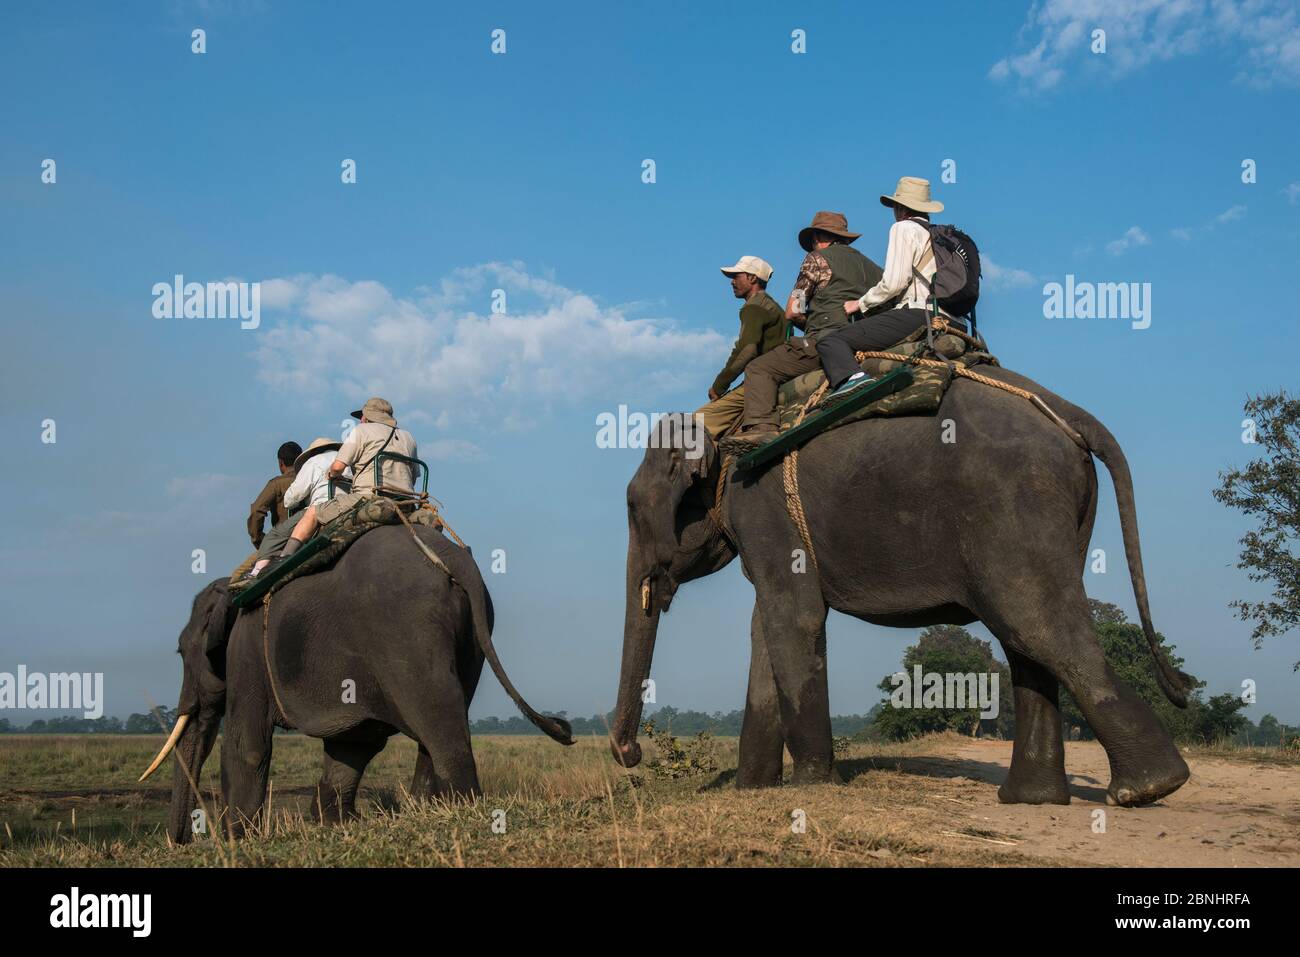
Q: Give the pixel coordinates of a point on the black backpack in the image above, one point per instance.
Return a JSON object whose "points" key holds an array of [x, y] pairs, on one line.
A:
{"points": [[956, 283]]}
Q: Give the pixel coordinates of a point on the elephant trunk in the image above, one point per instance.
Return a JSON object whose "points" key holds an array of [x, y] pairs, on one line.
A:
{"points": [[192, 749], [640, 629]]}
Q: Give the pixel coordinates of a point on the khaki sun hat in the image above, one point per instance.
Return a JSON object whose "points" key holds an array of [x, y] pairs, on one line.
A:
{"points": [[316, 447], [834, 223], [376, 410], [913, 193], [750, 264]]}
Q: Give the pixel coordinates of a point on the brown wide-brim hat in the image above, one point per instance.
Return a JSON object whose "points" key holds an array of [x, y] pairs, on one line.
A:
{"points": [[834, 223], [322, 444], [376, 410]]}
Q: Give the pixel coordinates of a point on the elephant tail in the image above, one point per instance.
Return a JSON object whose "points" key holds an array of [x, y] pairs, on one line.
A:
{"points": [[1176, 684], [464, 571]]}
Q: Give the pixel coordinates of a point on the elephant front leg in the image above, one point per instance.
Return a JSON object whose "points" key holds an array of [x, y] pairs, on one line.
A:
{"points": [[1037, 774], [245, 765], [762, 745], [794, 632]]}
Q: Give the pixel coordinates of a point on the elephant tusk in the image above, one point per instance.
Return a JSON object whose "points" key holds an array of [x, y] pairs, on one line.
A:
{"points": [[645, 594], [167, 748]]}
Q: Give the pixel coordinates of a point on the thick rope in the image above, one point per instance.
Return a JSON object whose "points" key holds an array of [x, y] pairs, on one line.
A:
{"points": [[266, 652], [790, 479], [965, 373]]}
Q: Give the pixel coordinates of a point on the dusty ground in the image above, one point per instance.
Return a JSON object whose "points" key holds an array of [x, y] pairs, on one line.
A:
{"points": [[930, 802], [1231, 813]]}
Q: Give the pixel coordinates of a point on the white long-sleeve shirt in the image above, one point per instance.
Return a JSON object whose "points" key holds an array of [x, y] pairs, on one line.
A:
{"points": [[311, 485], [908, 242]]}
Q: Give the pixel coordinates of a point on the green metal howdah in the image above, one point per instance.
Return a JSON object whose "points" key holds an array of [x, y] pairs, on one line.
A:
{"points": [[792, 438]]}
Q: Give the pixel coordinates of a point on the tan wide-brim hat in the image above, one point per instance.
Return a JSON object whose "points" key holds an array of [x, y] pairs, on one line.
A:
{"points": [[317, 446], [376, 410], [913, 193], [834, 223]]}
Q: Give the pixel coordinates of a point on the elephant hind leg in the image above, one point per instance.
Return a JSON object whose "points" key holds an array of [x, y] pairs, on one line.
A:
{"points": [[345, 762], [762, 745], [1144, 761], [1037, 774], [445, 767]]}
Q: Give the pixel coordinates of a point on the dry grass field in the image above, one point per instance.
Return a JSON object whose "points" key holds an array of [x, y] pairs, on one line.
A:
{"points": [[73, 801]]}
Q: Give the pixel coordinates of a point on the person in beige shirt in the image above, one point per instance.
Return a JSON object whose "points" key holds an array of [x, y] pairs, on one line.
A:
{"points": [[377, 432]]}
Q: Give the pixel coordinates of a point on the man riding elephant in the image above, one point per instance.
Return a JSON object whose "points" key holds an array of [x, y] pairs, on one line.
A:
{"points": [[377, 433], [831, 273], [762, 329]]}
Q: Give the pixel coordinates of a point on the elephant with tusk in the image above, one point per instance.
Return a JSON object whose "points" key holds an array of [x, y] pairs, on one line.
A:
{"points": [[384, 641], [908, 529]]}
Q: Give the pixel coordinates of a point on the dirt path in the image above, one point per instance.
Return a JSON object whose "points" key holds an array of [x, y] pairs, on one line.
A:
{"points": [[1229, 814]]}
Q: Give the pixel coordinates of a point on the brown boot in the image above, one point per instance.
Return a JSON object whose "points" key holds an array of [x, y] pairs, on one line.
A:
{"points": [[746, 440]]}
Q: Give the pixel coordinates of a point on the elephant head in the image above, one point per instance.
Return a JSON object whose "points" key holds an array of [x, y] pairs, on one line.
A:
{"points": [[202, 648], [671, 539]]}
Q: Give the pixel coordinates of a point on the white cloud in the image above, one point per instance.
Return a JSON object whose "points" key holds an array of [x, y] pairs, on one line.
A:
{"points": [[440, 354], [1229, 215], [995, 276], [1133, 236], [1263, 34], [1292, 193]]}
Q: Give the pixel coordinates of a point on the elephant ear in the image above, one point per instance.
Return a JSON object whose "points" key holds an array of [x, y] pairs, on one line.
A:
{"points": [[220, 619], [693, 452]]}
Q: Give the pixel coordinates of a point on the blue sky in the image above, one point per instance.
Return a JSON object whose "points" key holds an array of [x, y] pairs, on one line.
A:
{"points": [[522, 172]]}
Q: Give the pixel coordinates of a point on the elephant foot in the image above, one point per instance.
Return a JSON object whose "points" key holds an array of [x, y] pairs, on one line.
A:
{"points": [[752, 780], [1022, 790], [815, 772], [1151, 786]]}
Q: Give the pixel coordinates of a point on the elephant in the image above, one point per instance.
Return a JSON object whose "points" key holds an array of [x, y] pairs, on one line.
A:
{"points": [[981, 511], [382, 642]]}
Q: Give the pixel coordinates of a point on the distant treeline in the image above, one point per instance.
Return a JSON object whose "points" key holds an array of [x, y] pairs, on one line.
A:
{"points": [[1268, 733], [667, 717], [940, 650]]}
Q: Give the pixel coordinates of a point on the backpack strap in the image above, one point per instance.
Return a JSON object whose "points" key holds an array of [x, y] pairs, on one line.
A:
{"points": [[927, 257], [366, 464]]}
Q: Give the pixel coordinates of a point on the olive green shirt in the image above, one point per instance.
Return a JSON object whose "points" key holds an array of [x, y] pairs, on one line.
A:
{"points": [[762, 328], [270, 501]]}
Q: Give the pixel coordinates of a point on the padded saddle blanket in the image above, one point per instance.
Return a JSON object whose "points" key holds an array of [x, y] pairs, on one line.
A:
{"points": [[332, 541], [929, 383]]}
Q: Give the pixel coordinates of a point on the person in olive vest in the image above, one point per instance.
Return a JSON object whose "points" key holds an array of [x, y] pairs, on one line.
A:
{"points": [[762, 329], [832, 272]]}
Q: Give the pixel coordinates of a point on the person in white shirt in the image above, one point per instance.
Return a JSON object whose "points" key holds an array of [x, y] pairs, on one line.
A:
{"points": [[310, 487], [909, 270]]}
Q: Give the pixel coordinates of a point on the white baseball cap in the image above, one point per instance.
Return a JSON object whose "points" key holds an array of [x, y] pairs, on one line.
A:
{"points": [[752, 265]]}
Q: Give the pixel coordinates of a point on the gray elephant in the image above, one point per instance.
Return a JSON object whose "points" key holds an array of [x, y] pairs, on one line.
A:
{"points": [[382, 642], [908, 530]]}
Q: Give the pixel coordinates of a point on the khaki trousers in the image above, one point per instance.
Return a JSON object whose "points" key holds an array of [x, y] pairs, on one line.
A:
{"points": [[723, 412], [765, 374]]}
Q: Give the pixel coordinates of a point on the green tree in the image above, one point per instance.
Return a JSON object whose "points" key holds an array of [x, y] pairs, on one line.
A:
{"points": [[946, 650], [1268, 490]]}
